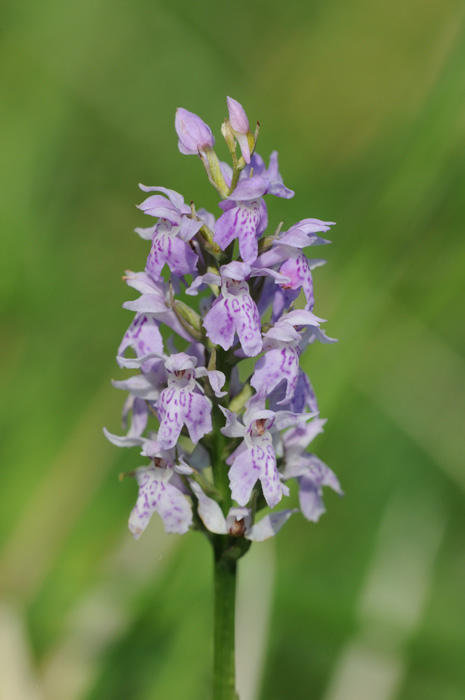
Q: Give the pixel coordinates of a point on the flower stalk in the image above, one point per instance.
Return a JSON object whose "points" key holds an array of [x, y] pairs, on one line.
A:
{"points": [[224, 668]]}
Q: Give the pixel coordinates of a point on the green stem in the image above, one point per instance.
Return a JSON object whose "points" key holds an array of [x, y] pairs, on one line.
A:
{"points": [[224, 669]]}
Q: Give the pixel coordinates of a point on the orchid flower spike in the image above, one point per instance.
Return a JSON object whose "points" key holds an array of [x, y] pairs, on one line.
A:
{"points": [[219, 403]]}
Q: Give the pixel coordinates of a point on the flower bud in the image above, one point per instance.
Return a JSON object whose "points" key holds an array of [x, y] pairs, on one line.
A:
{"points": [[194, 135], [188, 314], [239, 124], [237, 116]]}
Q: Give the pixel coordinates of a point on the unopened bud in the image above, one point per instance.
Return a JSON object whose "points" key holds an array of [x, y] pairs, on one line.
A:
{"points": [[188, 314], [237, 116], [239, 124], [194, 135]]}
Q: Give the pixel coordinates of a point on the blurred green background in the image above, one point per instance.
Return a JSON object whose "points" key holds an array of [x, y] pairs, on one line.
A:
{"points": [[365, 103]]}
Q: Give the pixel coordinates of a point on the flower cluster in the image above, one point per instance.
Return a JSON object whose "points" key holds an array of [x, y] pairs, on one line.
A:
{"points": [[222, 440]]}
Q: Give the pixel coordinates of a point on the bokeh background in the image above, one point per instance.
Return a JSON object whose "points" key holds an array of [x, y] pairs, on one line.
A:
{"points": [[365, 103]]}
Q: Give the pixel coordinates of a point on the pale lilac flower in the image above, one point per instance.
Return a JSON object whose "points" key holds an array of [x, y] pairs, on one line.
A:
{"points": [[304, 396], [194, 135], [280, 363], [154, 302], [245, 215], [255, 458], [311, 482], [234, 311], [172, 233], [240, 126], [181, 403], [137, 407], [156, 493], [144, 337], [311, 473], [242, 218], [288, 251]]}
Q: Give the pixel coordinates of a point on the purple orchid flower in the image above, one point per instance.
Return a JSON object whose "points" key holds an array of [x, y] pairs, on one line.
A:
{"points": [[238, 521], [144, 337], [288, 251], [234, 311], [255, 458], [158, 493], [172, 233], [311, 473], [194, 135], [280, 363], [304, 396], [245, 215], [139, 417], [154, 303], [181, 403]]}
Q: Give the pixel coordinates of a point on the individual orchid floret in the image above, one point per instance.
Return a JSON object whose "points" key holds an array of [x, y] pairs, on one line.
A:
{"points": [[144, 337], [139, 417], [287, 251], [311, 473], [156, 493], [154, 303], [244, 218], [234, 311], [181, 403], [238, 521], [170, 207], [316, 475], [281, 360], [245, 214], [304, 397], [172, 233], [295, 442], [255, 458], [239, 124], [194, 135]]}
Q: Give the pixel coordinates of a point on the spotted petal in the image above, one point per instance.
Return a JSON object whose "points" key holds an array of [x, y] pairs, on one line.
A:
{"points": [[257, 462], [157, 494], [299, 274], [235, 314], [311, 488], [172, 251], [143, 335], [177, 407], [276, 366], [139, 417]]}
